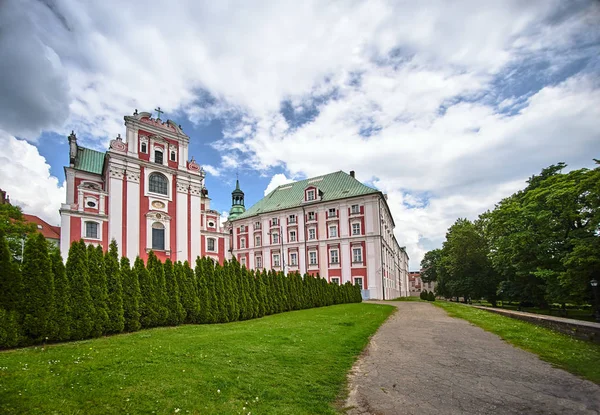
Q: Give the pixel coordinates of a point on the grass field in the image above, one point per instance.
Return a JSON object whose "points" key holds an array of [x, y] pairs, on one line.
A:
{"points": [[291, 363], [576, 356], [574, 313]]}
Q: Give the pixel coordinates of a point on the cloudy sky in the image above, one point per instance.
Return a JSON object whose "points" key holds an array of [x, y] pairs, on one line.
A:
{"points": [[445, 106]]}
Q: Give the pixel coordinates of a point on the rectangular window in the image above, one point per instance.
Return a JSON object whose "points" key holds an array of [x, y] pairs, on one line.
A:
{"points": [[275, 238], [358, 281], [293, 259], [292, 218], [311, 215], [312, 258], [333, 231], [355, 209], [292, 236], [333, 256], [357, 255], [331, 213], [243, 261], [91, 230], [158, 239], [258, 261], [144, 148], [257, 241], [335, 280], [310, 195], [173, 157], [242, 242], [242, 228], [256, 225], [210, 244], [158, 157], [312, 233], [275, 260], [356, 229], [274, 222]]}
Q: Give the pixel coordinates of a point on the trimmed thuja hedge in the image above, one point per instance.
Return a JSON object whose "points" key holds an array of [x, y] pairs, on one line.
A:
{"points": [[42, 300]]}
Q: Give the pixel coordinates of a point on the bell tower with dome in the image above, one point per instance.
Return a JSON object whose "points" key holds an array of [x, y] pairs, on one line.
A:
{"points": [[237, 202]]}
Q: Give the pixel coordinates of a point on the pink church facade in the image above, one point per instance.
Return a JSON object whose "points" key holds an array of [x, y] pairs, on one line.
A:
{"points": [[145, 193]]}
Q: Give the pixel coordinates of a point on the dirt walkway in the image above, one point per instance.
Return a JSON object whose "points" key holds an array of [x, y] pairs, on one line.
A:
{"points": [[422, 361]]}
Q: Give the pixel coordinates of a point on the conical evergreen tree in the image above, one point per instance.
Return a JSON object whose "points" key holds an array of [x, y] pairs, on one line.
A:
{"points": [[82, 308], [205, 310], [176, 312], [98, 289], [9, 328], [260, 293], [211, 285], [244, 301], [230, 292], [61, 313], [148, 303], [220, 294], [38, 288], [191, 302], [131, 296], [114, 283], [157, 274], [11, 286]]}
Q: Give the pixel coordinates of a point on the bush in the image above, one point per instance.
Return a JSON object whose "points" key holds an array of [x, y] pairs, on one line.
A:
{"points": [[430, 296], [423, 295], [9, 328]]}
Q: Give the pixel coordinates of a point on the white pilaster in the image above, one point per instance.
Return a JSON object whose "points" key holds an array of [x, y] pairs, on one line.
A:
{"points": [[195, 224], [65, 233], [133, 214], [181, 221]]}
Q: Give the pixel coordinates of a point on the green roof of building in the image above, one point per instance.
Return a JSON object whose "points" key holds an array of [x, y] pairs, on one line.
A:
{"points": [[88, 160], [334, 186]]}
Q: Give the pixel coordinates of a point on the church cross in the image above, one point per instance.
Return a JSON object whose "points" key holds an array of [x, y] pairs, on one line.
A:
{"points": [[159, 112]]}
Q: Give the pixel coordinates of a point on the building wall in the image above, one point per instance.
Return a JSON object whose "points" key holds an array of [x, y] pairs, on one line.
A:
{"points": [[321, 241], [126, 210]]}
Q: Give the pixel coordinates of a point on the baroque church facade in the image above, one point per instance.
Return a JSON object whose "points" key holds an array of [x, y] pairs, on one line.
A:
{"points": [[145, 192]]}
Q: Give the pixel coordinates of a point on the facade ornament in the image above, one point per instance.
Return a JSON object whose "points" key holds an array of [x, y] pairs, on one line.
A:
{"points": [[193, 166], [118, 144], [132, 176], [135, 112], [195, 190], [116, 172]]}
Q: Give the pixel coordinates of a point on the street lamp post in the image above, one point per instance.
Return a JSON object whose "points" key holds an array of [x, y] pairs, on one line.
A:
{"points": [[594, 284]]}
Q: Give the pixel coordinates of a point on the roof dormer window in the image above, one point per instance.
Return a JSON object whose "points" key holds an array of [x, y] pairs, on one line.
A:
{"points": [[310, 195]]}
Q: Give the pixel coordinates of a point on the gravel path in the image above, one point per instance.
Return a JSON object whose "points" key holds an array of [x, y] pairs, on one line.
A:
{"points": [[421, 361]]}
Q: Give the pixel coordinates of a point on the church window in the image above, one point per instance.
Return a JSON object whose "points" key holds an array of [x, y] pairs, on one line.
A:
{"points": [[210, 244], [144, 148], [158, 157], [158, 236], [158, 183], [91, 230], [91, 204], [173, 156]]}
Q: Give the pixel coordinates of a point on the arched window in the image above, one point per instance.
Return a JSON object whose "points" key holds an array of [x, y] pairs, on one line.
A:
{"points": [[158, 236], [158, 157], [91, 230], [158, 184], [210, 244]]}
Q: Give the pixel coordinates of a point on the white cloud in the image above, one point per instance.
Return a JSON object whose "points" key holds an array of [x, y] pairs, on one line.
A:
{"points": [[224, 216], [211, 170], [25, 176], [277, 180], [410, 97]]}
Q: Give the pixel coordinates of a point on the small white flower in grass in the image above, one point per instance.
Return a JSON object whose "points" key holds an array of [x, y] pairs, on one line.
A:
{"points": [[243, 408], [218, 390], [177, 410]]}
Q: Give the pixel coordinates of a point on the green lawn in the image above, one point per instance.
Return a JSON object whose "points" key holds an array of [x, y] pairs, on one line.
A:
{"points": [[576, 356], [291, 363]]}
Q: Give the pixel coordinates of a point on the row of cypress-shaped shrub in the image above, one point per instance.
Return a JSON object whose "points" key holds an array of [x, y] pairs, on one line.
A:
{"points": [[97, 293]]}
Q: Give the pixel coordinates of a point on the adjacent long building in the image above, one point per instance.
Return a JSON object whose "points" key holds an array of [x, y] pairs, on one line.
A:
{"points": [[331, 225]]}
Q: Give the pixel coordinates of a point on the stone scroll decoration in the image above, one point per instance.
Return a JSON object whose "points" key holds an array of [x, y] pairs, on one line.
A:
{"points": [[118, 145]]}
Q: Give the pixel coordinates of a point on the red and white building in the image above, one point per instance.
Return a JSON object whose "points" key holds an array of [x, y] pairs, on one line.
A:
{"points": [[144, 192], [330, 225]]}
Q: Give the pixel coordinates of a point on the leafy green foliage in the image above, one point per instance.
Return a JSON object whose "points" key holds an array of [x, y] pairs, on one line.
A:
{"points": [[98, 289], [131, 296], [116, 320], [15, 229], [176, 312], [61, 312], [81, 306], [38, 288], [10, 278], [538, 246]]}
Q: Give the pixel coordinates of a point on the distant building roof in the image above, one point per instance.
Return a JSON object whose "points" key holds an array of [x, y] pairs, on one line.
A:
{"points": [[88, 160], [334, 186], [49, 231]]}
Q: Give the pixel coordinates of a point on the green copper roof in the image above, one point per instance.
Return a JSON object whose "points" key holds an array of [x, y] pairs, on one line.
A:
{"points": [[88, 160], [338, 185]]}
